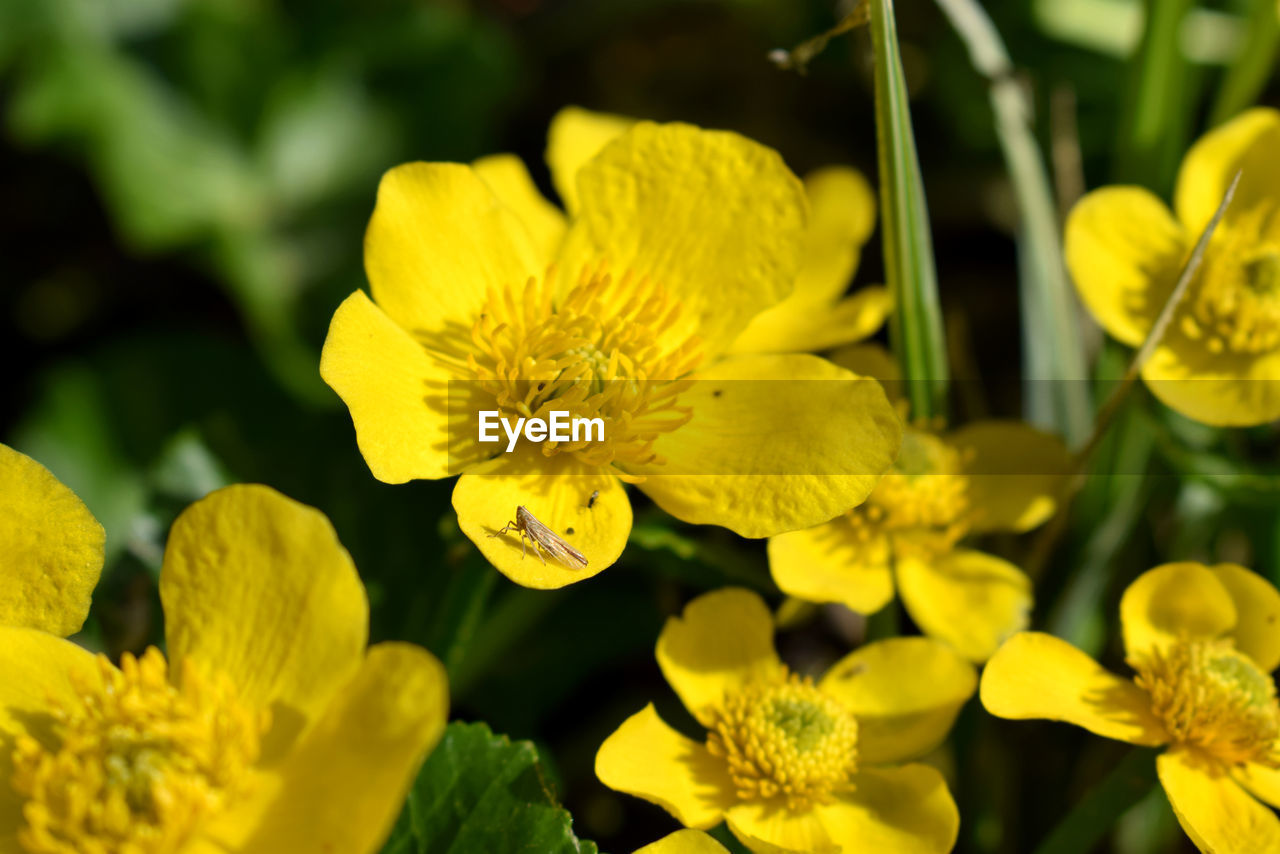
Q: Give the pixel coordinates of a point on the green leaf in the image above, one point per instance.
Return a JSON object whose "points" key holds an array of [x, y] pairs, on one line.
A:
{"points": [[1090, 819], [480, 793], [915, 329], [1249, 72]]}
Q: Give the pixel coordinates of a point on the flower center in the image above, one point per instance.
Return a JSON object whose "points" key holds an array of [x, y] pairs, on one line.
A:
{"points": [[1212, 697], [925, 494], [136, 765], [1236, 307], [603, 351], [785, 738]]}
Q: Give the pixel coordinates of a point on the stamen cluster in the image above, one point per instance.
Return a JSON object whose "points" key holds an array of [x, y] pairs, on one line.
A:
{"points": [[1235, 306]]}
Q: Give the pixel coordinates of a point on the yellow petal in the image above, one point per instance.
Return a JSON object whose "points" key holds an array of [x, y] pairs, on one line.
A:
{"points": [[1218, 815], [1172, 601], [684, 842], [797, 325], [646, 758], [716, 219], [557, 492], [872, 360], [438, 241], [1016, 473], [971, 600], [50, 549], [771, 829], [1262, 782], [906, 810], [510, 181], [905, 692], [574, 137], [1036, 675], [36, 668], [1257, 629], [1124, 250], [1249, 143], [398, 396], [258, 586], [723, 639], [831, 563], [1220, 389], [776, 443], [342, 787]]}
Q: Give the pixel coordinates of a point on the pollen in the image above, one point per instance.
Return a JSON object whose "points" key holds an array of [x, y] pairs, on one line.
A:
{"points": [[785, 739], [135, 764], [925, 494], [605, 350], [1210, 696], [1236, 306]]}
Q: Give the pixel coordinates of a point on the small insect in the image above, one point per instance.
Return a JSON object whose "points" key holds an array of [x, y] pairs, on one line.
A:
{"points": [[591, 502], [542, 538]]}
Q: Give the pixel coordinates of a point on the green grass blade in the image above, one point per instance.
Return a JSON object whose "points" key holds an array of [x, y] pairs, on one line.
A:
{"points": [[1057, 394], [915, 330], [1248, 73]]}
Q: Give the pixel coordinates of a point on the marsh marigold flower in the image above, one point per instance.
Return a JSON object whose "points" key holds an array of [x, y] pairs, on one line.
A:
{"points": [[50, 550], [1202, 644], [268, 728], [793, 764], [684, 842], [1219, 361], [908, 535], [485, 297]]}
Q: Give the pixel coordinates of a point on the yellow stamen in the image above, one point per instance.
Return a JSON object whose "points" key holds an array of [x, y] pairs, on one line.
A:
{"points": [[600, 352], [135, 765], [785, 738], [1235, 304], [1212, 697]]}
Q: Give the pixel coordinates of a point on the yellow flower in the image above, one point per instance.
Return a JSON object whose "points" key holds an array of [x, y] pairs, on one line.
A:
{"points": [[485, 298], [50, 549], [792, 765], [1219, 361], [684, 842], [270, 729], [987, 476], [1202, 642]]}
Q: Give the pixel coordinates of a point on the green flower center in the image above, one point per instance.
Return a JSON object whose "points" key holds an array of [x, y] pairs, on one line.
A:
{"points": [[1235, 305]]}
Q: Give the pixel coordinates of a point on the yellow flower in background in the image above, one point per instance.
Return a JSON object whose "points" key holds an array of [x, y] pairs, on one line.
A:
{"points": [[50, 549], [1202, 642], [1219, 361], [485, 298], [794, 765], [842, 216], [684, 842], [270, 729], [984, 477]]}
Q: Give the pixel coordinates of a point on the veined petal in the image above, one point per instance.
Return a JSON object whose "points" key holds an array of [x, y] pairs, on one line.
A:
{"points": [[1225, 389], [558, 496], [574, 137], [343, 785], [1176, 600], [1124, 250], [510, 181], [1257, 629], [258, 586], [1218, 815], [905, 693], [776, 443], [646, 758], [399, 397], [767, 828], [723, 639], [1247, 143], [1016, 473], [1035, 675], [831, 563], [711, 216], [971, 600], [906, 810], [1262, 782], [685, 841], [36, 669], [438, 241], [801, 326], [51, 547]]}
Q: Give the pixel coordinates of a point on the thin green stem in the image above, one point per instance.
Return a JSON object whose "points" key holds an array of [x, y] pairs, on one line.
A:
{"points": [[1248, 73], [1090, 819]]}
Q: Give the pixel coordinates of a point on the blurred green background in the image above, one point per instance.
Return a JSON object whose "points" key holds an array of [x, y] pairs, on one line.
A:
{"points": [[185, 189]]}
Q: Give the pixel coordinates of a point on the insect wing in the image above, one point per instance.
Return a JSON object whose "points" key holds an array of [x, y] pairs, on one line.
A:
{"points": [[551, 541]]}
